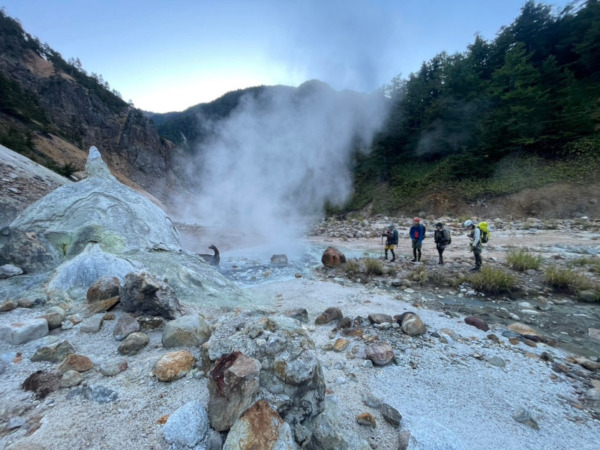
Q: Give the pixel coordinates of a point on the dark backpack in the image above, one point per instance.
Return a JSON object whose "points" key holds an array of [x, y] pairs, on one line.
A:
{"points": [[448, 237]]}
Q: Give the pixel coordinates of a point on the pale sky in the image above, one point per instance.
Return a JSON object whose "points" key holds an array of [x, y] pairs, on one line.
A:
{"points": [[168, 55]]}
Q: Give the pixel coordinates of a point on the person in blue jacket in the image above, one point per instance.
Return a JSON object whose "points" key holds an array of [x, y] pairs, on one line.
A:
{"points": [[417, 234]]}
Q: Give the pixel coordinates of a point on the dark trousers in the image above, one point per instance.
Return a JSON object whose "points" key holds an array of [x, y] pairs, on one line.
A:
{"points": [[440, 249], [477, 255]]}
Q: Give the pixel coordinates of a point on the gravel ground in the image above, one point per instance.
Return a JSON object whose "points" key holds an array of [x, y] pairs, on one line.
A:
{"points": [[448, 392]]}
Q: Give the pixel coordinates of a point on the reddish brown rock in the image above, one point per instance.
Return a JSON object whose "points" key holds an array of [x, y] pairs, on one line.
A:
{"points": [[477, 323], [340, 345], [80, 363], [329, 315], [366, 419], [103, 288], [233, 385], [332, 257]]}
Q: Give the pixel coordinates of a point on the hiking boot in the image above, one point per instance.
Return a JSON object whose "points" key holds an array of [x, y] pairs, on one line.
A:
{"points": [[475, 269], [413, 260], [441, 262], [393, 259]]}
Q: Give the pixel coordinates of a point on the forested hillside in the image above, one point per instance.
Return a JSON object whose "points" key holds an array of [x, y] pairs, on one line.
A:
{"points": [[520, 111]]}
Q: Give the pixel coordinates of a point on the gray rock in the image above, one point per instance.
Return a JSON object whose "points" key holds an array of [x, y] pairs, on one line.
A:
{"points": [[185, 331], [380, 318], [300, 314], [329, 315], [113, 368], [141, 293], [279, 260], [497, 361], [71, 378], [133, 344], [413, 325], [54, 316], [233, 386], [390, 414], [20, 332], [371, 401], [273, 432], [187, 428], [126, 325], [291, 375], [92, 324], [9, 270], [98, 394], [53, 353], [7, 305], [524, 416]]}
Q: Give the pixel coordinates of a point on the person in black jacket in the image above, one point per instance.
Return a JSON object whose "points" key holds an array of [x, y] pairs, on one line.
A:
{"points": [[391, 235], [442, 239]]}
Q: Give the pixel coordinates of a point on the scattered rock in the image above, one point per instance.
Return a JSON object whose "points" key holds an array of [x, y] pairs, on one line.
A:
{"points": [[133, 344], [390, 414], [126, 325], [100, 306], [54, 316], [524, 416], [174, 365], [187, 428], [477, 323], [27, 330], [7, 305], [279, 260], [380, 354], [300, 314], [380, 318], [413, 325], [9, 270], [496, 361], [70, 378], [98, 394], [53, 353], [340, 345], [92, 324], [80, 363], [113, 368], [329, 315], [366, 419], [186, 331]]}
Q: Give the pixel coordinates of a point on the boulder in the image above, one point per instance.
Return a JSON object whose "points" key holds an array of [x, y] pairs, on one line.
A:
{"points": [[332, 257], [233, 385], [291, 376], [9, 270], [141, 293], [380, 318], [185, 331], [133, 343], [260, 427]]}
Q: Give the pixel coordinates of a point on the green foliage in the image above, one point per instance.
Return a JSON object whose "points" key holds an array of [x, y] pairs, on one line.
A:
{"points": [[592, 264], [493, 281], [18, 103], [521, 260], [392, 271], [567, 280], [373, 266]]}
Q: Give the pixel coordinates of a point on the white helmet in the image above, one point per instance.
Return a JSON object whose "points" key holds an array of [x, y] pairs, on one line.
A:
{"points": [[468, 223]]}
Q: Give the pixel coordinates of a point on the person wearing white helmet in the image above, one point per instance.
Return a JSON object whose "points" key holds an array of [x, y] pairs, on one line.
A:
{"points": [[475, 236]]}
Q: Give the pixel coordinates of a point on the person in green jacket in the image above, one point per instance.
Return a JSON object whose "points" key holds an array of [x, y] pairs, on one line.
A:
{"points": [[391, 241]]}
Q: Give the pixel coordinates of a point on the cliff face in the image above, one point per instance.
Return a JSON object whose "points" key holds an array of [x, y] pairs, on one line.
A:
{"points": [[52, 112]]}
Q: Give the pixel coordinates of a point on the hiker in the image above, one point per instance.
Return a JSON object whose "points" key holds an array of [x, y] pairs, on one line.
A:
{"points": [[417, 234], [442, 239], [476, 247], [391, 235]]}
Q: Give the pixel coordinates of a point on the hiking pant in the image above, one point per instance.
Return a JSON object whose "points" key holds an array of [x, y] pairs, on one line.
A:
{"points": [[477, 255], [440, 249]]}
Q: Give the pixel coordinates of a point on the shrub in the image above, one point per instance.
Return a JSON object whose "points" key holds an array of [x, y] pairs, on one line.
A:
{"points": [[419, 275], [392, 271], [592, 264], [566, 280], [374, 266], [352, 267], [493, 281], [522, 260]]}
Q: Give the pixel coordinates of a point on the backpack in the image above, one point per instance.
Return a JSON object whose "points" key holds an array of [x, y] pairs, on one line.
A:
{"points": [[449, 238], [485, 234]]}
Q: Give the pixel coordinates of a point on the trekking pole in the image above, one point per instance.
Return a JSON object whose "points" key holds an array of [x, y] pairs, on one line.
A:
{"points": [[382, 247]]}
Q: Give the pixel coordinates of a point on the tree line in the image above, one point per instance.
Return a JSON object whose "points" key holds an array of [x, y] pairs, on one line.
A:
{"points": [[534, 89]]}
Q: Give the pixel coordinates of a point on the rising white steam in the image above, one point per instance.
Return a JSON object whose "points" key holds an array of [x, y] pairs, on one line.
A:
{"points": [[280, 157]]}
